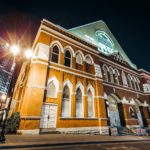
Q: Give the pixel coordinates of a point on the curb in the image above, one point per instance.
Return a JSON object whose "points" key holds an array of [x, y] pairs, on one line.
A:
{"points": [[67, 144]]}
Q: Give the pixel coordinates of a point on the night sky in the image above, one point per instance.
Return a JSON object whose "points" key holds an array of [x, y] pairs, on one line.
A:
{"points": [[128, 20]]}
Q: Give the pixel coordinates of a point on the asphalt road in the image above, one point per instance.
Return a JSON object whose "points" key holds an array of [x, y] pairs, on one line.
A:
{"points": [[110, 146]]}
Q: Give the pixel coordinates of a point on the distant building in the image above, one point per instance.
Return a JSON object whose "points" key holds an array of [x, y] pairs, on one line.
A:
{"points": [[80, 81]]}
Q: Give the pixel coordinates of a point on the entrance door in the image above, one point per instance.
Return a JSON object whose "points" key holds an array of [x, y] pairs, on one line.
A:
{"points": [[48, 117], [113, 113], [139, 116]]}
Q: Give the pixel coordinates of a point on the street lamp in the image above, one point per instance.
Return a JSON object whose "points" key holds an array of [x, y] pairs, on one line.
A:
{"points": [[2, 99], [15, 49]]}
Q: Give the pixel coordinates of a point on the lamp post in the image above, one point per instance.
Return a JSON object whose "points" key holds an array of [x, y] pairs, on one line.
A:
{"points": [[28, 54], [3, 116]]}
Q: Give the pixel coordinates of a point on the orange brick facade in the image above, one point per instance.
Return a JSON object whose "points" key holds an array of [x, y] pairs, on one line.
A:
{"points": [[31, 88]]}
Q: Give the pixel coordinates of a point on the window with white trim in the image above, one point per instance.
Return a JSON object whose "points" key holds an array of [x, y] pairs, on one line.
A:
{"points": [[51, 90], [124, 79], [90, 103], [79, 59], [67, 56], [66, 102], [79, 103], [55, 54]]}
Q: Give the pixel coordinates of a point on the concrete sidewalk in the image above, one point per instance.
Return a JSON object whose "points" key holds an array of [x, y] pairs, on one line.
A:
{"points": [[26, 141]]}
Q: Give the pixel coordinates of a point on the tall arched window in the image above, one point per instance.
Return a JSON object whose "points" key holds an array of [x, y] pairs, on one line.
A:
{"points": [[138, 84], [88, 63], [130, 81], [105, 74], [124, 79], [134, 82], [90, 103], [51, 90], [111, 75], [79, 59], [67, 58], [55, 54], [66, 102], [79, 105], [117, 76], [52, 87]]}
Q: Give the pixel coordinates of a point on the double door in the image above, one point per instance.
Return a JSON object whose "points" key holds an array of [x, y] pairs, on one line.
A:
{"points": [[48, 116]]}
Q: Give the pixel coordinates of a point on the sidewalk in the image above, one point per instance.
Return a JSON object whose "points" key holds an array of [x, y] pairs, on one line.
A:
{"points": [[25, 141]]}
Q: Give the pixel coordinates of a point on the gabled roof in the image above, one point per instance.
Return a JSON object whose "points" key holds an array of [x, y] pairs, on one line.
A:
{"points": [[87, 32]]}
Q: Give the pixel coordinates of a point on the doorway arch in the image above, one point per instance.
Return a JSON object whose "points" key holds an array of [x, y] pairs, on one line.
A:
{"points": [[113, 110], [138, 112]]}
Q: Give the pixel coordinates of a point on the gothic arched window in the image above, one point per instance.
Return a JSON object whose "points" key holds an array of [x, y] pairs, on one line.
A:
{"points": [[67, 58], [79, 59], [88, 63], [66, 102], [79, 104], [111, 74], [55, 54], [124, 79], [105, 74], [130, 81], [116, 76], [51, 90], [90, 103]]}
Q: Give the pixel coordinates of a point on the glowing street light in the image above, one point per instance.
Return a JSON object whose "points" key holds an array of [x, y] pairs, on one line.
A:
{"points": [[14, 49], [7, 45], [3, 97], [28, 53]]}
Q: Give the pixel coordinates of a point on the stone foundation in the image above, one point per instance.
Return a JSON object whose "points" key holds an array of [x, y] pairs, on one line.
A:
{"points": [[85, 130]]}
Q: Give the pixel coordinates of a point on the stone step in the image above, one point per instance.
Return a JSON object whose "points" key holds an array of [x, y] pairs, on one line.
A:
{"points": [[49, 131]]}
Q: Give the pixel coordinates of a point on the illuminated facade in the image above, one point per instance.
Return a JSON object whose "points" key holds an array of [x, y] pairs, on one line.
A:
{"points": [[80, 81]]}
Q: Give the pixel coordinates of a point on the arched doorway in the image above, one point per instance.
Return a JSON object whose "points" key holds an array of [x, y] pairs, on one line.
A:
{"points": [[138, 112], [113, 112]]}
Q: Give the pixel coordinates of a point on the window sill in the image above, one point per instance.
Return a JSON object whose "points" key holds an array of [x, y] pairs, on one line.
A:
{"points": [[73, 118]]}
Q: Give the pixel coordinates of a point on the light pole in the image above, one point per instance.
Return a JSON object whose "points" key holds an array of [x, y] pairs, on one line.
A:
{"points": [[28, 54], [3, 116]]}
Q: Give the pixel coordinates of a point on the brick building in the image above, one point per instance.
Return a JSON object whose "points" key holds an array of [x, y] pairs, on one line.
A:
{"points": [[80, 81]]}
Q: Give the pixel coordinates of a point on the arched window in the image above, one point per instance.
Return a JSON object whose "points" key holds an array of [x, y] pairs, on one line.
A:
{"points": [[111, 75], [67, 58], [79, 59], [138, 84], [134, 82], [88, 63], [105, 74], [55, 54], [124, 79], [116, 76], [52, 87], [51, 90], [131, 112], [66, 102], [130, 81], [90, 103], [79, 105]]}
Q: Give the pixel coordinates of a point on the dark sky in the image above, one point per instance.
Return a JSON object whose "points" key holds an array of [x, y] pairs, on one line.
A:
{"points": [[128, 20]]}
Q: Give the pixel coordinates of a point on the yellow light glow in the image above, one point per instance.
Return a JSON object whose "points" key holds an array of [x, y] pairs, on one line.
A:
{"points": [[28, 53], [15, 49], [3, 97], [7, 45]]}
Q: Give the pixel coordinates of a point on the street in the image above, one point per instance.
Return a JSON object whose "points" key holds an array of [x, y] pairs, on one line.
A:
{"points": [[110, 146], [76, 142]]}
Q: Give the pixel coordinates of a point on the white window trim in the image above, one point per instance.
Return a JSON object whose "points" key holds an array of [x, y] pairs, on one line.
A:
{"points": [[56, 83]]}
